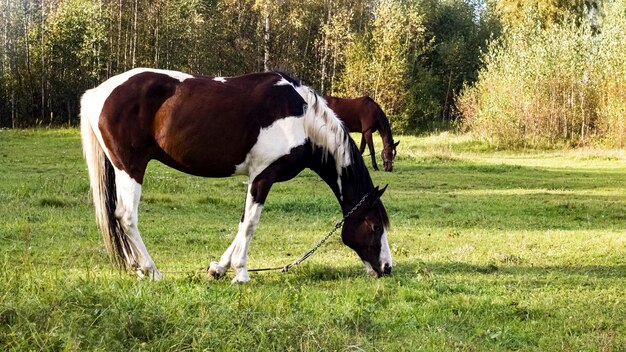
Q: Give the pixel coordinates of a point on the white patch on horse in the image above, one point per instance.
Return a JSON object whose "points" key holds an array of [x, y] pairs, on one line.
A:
{"points": [[385, 252], [283, 82], [385, 256], [93, 100], [326, 130], [273, 142], [220, 79]]}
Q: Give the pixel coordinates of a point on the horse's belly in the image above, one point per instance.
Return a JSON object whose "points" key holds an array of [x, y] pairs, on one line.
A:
{"points": [[225, 154]]}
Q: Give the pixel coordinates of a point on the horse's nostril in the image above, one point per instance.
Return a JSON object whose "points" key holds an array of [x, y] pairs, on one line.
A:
{"points": [[387, 269]]}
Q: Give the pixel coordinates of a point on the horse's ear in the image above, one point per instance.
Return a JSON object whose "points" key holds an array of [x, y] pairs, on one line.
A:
{"points": [[375, 195], [395, 145], [381, 191]]}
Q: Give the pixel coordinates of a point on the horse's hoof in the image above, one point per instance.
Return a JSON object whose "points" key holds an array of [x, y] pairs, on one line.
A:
{"points": [[151, 274], [156, 275], [241, 278], [215, 270]]}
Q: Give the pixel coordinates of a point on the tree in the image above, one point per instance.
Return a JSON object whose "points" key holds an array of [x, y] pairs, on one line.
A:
{"points": [[458, 32], [410, 55], [548, 11], [72, 37], [377, 63]]}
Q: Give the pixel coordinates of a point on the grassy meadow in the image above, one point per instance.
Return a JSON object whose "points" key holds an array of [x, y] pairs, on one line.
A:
{"points": [[493, 251]]}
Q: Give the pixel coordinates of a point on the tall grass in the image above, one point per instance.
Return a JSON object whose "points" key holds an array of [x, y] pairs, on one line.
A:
{"points": [[612, 73], [543, 87]]}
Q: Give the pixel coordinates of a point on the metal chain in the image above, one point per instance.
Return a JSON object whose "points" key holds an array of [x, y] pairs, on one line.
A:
{"points": [[286, 268]]}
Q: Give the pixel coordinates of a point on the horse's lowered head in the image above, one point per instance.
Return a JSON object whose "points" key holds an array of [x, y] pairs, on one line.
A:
{"points": [[365, 231], [389, 155]]}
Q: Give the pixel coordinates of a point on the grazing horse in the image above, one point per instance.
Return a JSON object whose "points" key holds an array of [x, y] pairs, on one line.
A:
{"points": [[365, 115], [265, 125]]}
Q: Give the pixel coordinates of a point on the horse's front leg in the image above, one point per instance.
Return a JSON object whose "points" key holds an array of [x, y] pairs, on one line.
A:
{"points": [[237, 253], [363, 143]]}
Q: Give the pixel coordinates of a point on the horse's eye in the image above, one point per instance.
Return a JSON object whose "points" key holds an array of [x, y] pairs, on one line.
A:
{"points": [[378, 228]]}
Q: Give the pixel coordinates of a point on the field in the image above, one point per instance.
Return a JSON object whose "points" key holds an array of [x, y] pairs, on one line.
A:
{"points": [[493, 251]]}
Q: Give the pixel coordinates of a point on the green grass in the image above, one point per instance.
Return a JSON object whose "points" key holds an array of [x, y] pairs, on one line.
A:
{"points": [[493, 251]]}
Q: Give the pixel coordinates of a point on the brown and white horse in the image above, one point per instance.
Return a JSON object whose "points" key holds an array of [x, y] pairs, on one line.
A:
{"points": [[364, 115], [265, 125]]}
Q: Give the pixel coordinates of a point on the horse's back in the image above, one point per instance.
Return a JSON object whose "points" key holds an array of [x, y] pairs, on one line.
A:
{"points": [[200, 125], [358, 114]]}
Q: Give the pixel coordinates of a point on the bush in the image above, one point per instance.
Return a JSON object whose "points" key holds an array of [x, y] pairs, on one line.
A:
{"points": [[534, 89], [612, 76], [544, 87]]}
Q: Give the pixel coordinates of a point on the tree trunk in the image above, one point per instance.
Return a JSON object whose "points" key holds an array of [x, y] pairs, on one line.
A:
{"points": [[43, 65], [266, 37], [325, 52], [119, 36], [134, 44]]}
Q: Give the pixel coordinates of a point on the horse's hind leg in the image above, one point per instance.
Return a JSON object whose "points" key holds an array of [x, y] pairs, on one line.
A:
{"points": [[367, 135], [128, 195]]}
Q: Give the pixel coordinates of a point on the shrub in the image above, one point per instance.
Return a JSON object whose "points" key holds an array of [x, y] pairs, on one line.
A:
{"points": [[552, 86], [534, 88], [612, 75]]}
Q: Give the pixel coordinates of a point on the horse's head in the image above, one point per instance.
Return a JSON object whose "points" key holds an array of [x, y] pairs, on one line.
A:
{"points": [[365, 231], [389, 155]]}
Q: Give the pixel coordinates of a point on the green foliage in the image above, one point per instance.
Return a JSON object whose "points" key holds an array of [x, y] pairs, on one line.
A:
{"points": [[493, 251], [72, 36], [459, 30], [377, 63], [548, 12], [611, 70], [547, 87], [412, 56]]}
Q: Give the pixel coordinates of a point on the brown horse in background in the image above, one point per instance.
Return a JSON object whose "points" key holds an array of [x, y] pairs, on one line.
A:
{"points": [[365, 115]]}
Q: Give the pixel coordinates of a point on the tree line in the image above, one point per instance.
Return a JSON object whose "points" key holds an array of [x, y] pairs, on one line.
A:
{"points": [[413, 56], [515, 73]]}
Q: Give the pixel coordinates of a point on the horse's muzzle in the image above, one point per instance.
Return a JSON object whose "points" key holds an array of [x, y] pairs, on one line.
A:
{"points": [[387, 269]]}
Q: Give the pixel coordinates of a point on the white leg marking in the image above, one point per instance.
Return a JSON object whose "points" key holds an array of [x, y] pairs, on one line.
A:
{"points": [[236, 255], [128, 195]]}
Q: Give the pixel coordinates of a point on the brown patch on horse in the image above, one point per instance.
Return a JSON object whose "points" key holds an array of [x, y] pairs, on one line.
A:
{"points": [[200, 117]]}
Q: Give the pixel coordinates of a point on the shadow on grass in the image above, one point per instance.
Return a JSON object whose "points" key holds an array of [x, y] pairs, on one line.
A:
{"points": [[617, 271], [323, 273]]}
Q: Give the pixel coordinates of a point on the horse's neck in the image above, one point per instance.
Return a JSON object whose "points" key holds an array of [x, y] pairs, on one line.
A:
{"points": [[348, 187], [385, 132]]}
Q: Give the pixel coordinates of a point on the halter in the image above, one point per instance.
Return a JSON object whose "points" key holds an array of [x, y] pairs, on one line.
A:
{"points": [[384, 157], [306, 255]]}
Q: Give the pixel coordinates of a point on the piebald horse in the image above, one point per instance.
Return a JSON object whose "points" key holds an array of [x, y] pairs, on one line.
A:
{"points": [[364, 115], [265, 125]]}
